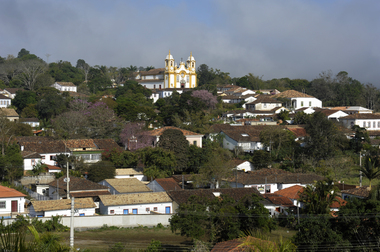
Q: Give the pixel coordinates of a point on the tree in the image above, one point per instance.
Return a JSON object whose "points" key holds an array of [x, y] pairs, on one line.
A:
{"points": [[30, 71], [218, 167], [324, 138], [23, 99], [101, 170], [316, 233], [134, 137], [278, 139], [318, 198], [22, 53], [50, 102], [174, 140], [121, 158], [220, 218], [158, 162], [261, 159], [361, 136], [11, 163], [206, 97], [84, 67], [369, 170]]}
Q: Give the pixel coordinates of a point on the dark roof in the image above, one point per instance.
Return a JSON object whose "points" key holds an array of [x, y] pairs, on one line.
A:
{"points": [[153, 71], [3, 97], [247, 133], [264, 99], [168, 184], [78, 184], [29, 120], [362, 116], [360, 191], [182, 196], [44, 146], [106, 144], [13, 90], [30, 154], [254, 177], [279, 200], [89, 194]]}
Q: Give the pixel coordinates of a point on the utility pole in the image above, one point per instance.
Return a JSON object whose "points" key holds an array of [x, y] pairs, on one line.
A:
{"points": [[67, 179], [72, 225], [360, 164]]}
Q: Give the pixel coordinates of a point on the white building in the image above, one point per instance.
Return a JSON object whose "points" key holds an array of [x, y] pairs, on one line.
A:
{"points": [[139, 203], [4, 101], [48, 208], [11, 201], [365, 120], [299, 100], [172, 76], [65, 86], [30, 160], [130, 173]]}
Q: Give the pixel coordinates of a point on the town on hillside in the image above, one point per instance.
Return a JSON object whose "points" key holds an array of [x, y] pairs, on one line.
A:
{"points": [[189, 147]]}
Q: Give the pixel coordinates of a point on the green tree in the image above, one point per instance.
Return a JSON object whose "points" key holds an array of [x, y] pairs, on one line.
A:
{"points": [[101, 170], [23, 99], [279, 141], [361, 136], [318, 198], [261, 159], [369, 170], [316, 233], [158, 162], [174, 140]]}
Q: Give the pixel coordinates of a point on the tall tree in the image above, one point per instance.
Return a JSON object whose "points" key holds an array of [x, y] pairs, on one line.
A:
{"points": [[175, 141], [30, 71]]}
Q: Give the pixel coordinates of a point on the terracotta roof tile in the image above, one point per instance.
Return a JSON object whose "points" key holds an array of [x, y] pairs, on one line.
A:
{"points": [[78, 184], [67, 84], [14, 90], [158, 132], [360, 191], [279, 200], [291, 192], [362, 116], [63, 204], [128, 185], [168, 184], [80, 143], [134, 198], [107, 144], [291, 94], [6, 192], [339, 203], [8, 111], [182, 196], [153, 71]]}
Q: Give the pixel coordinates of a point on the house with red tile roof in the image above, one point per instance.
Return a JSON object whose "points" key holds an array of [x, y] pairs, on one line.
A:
{"points": [[192, 137], [11, 202], [299, 100], [164, 185], [48, 208], [280, 204]]}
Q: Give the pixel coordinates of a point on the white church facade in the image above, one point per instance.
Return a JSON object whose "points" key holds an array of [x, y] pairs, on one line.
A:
{"points": [[172, 76]]}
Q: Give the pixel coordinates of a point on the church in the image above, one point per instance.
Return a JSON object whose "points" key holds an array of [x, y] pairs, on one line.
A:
{"points": [[172, 76]]}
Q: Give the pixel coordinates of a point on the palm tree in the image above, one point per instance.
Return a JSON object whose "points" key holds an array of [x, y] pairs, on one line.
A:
{"points": [[369, 170], [318, 198]]}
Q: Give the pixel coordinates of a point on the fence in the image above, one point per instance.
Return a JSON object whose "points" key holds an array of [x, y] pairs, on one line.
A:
{"points": [[32, 194]]}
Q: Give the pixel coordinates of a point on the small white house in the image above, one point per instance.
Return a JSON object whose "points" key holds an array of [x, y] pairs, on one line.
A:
{"points": [[33, 122], [65, 86], [243, 165], [125, 185], [364, 120], [48, 208], [130, 173], [30, 160], [299, 100], [11, 201], [4, 101], [138, 203]]}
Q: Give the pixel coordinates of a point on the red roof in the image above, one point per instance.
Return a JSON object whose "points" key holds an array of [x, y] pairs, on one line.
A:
{"points": [[168, 184], [52, 167], [337, 204], [158, 132], [6, 192], [291, 192]]}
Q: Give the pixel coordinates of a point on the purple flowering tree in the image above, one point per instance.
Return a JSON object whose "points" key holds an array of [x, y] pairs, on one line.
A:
{"points": [[134, 137], [205, 96]]}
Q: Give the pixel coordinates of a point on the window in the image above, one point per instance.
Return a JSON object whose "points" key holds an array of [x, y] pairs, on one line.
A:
{"points": [[195, 143], [309, 103], [147, 209], [154, 86], [265, 105], [187, 79], [369, 124], [155, 209], [112, 211], [363, 124], [301, 103], [33, 162], [2, 204], [374, 124], [267, 188], [378, 124], [42, 157], [134, 211], [52, 157], [177, 77]]}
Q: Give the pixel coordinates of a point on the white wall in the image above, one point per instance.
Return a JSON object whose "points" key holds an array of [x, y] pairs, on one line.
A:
{"points": [[141, 177], [65, 212], [141, 209], [307, 102], [8, 205], [246, 166], [273, 187], [28, 163]]}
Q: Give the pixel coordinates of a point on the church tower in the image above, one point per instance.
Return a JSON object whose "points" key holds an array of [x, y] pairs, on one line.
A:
{"points": [[182, 76]]}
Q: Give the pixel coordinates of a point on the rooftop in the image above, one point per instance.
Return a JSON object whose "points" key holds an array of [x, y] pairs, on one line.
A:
{"points": [[135, 198], [158, 132], [291, 94], [6, 192], [128, 185], [168, 184], [63, 204]]}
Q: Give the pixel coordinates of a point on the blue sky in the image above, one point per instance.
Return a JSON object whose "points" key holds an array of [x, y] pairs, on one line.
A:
{"points": [[272, 39]]}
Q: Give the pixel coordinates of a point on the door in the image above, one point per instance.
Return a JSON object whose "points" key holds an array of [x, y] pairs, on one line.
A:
{"points": [[14, 206], [167, 209], [134, 211], [125, 211]]}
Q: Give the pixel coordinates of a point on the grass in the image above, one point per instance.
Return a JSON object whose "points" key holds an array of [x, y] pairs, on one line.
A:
{"points": [[133, 239]]}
